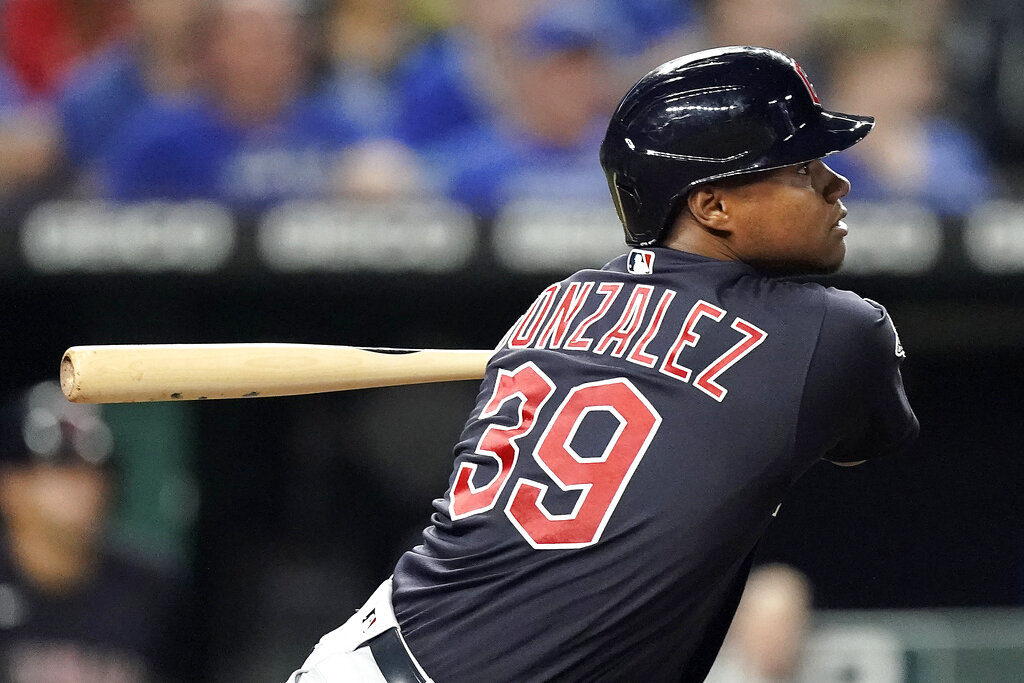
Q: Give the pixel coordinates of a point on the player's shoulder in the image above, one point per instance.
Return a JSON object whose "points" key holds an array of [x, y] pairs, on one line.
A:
{"points": [[857, 321], [846, 317], [854, 307], [839, 303]]}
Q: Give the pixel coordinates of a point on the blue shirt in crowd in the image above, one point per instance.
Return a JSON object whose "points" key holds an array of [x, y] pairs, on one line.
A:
{"points": [[12, 95], [191, 151], [97, 101], [438, 93], [489, 165]]}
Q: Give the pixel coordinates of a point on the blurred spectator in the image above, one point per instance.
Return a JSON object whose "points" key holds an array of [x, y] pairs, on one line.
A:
{"points": [[71, 608], [766, 640], [382, 168], [28, 140], [642, 25], [159, 61], [874, 56], [984, 41], [461, 78], [365, 40], [644, 33], [914, 153], [255, 138], [543, 143], [43, 39], [12, 94], [781, 24]]}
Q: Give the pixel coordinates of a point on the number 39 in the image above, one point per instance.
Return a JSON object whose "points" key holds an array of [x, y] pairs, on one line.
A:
{"points": [[600, 480]]}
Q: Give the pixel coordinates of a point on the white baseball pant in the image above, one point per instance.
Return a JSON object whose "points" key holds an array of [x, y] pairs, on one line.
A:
{"points": [[345, 656]]}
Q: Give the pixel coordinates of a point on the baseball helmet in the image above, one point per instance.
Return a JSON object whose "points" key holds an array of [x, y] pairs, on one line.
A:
{"points": [[710, 115], [40, 426]]}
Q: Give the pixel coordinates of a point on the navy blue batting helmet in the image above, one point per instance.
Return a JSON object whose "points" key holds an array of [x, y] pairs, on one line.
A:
{"points": [[707, 116]]}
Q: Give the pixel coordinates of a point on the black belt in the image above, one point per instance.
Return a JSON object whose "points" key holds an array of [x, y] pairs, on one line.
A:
{"points": [[393, 659]]}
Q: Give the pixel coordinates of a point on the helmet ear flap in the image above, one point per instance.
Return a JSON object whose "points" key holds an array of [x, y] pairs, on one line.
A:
{"points": [[628, 206]]}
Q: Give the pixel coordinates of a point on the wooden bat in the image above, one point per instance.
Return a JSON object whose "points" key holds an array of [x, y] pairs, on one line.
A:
{"points": [[125, 373]]}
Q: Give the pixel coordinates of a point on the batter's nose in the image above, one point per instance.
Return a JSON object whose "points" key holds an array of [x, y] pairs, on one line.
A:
{"points": [[836, 187]]}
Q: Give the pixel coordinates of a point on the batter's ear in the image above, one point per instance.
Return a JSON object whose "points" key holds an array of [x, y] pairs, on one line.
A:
{"points": [[708, 206]]}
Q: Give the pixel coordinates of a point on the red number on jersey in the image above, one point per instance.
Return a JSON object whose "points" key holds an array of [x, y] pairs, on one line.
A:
{"points": [[532, 388], [599, 480]]}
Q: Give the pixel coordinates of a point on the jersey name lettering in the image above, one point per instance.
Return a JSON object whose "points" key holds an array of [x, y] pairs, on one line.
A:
{"points": [[551, 325]]}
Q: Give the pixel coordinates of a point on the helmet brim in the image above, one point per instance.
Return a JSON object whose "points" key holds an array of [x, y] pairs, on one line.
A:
{"points": [[835, 132], [829, 133]]}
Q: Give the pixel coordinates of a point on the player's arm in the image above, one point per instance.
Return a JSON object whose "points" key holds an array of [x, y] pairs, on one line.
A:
{"points": [[855, 406]]}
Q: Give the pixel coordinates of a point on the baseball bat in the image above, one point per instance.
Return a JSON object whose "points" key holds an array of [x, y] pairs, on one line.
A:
{"points": [[126, 373]]}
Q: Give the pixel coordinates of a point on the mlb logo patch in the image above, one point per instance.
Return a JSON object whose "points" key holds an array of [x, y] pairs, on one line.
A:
{"points": [[640, 262]]}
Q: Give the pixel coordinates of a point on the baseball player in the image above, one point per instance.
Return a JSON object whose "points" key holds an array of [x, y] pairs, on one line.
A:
{"points": [[73, 607], [640, 424]]}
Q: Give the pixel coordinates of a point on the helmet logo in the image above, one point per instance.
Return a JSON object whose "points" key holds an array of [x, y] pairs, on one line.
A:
{"points": [[807, 82]]}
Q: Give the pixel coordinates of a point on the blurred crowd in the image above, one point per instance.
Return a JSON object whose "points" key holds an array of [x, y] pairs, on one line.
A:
{"points": [[251, 102]]}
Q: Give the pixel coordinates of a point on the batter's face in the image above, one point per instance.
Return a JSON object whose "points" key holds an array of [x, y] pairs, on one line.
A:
{"points": [[789, 220]]}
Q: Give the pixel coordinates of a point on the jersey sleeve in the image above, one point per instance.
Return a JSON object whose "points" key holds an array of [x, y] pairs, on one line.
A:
{"points": [[855, 406]]}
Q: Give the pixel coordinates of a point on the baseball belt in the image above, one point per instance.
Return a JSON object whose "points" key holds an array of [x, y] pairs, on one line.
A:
{"points": [[393, 658]]}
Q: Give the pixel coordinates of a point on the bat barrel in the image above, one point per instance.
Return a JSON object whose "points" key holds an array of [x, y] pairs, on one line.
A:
{"points": [[173, 372]]}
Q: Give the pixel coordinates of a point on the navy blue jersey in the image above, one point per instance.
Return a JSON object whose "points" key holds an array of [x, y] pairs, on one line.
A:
{"points": [[634, 434]]}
